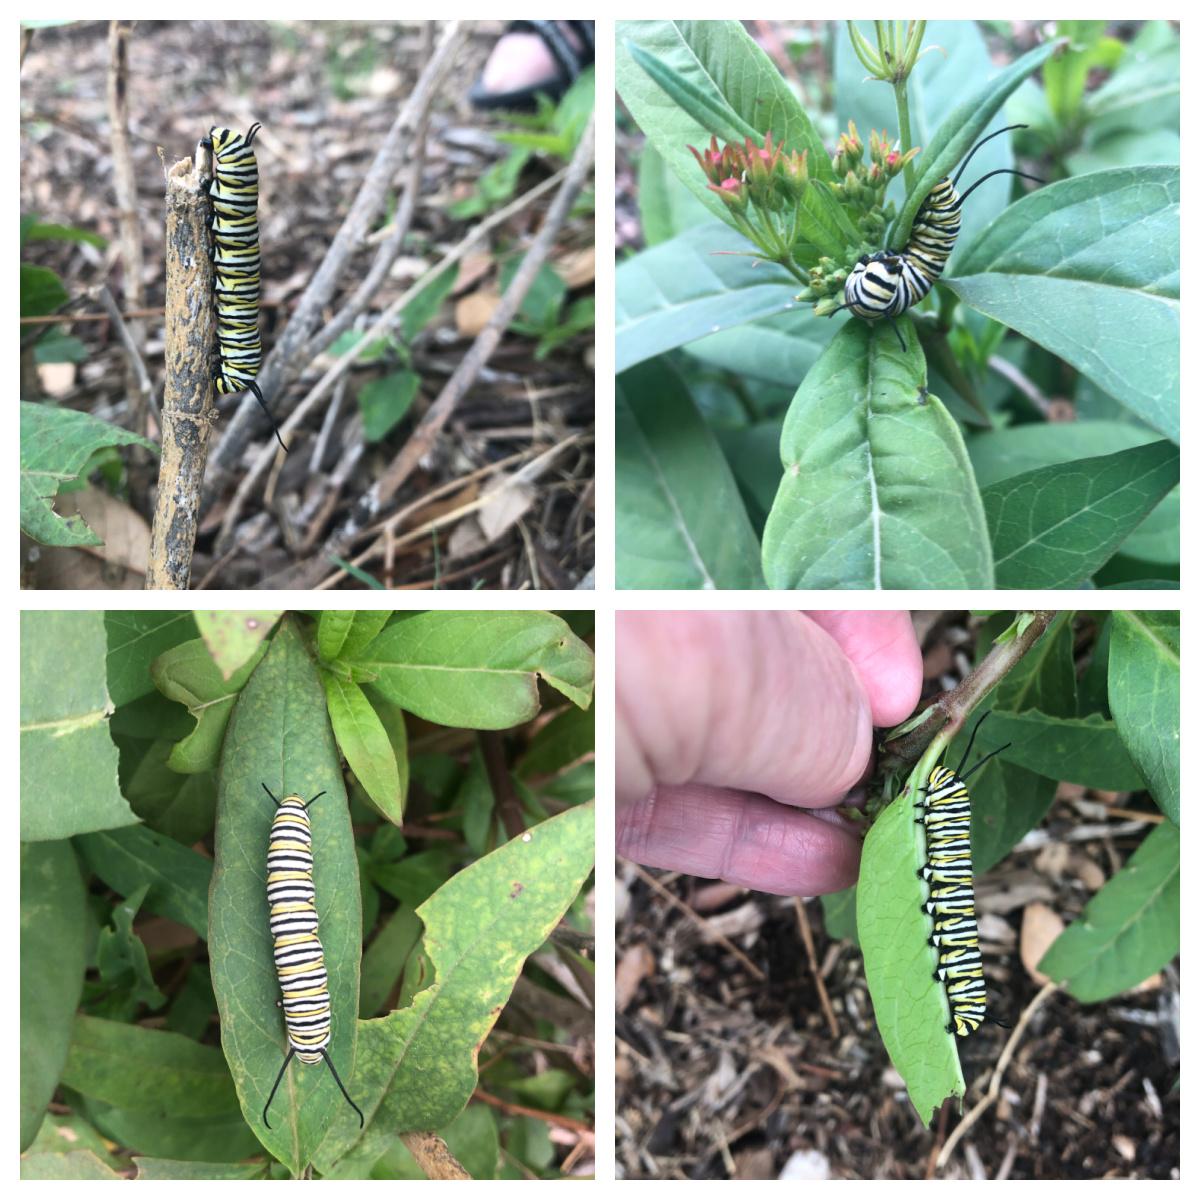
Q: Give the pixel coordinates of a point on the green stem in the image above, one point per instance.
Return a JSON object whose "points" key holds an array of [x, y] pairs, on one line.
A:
{"points": [[901, 88], [769, 236], [797, 272], [947, 303]]}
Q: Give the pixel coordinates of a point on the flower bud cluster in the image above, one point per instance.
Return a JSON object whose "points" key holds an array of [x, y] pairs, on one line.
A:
{"points": [[865, 182], [763, 189], [743, 174]]}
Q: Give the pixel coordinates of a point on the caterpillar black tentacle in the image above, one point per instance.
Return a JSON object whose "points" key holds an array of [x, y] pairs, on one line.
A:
{"points": [[299, 956], [890, 282], [236, 263], [946, 815]]}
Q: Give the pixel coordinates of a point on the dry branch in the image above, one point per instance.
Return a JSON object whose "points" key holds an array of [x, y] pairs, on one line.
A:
{"points": [[433, 1156], [188, 412], [434, 420], [125, 183]]}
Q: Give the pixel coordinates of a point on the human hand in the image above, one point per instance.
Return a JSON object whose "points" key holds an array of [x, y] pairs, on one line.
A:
{"points": [[738, 732]]}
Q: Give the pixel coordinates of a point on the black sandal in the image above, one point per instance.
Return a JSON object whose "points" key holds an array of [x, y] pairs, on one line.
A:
{"points": [[570, 62]]}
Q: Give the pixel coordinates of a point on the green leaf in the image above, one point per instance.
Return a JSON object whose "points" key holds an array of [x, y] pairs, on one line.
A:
{"points": [[1144, 694], [55, 346], [40, 232], [666, 206], [680, 520], [1089, 269], [56, 445], [823, 223], [1083, 750], [235, 639], [177, 876], [546, 296], [42, 291], [480, 927], [343, 633], [778, 349], [1003, 453], [1130, 928], [877, 489], [911, 1009], [385, 402], [840, 911], [182, 807], [135, 640], [477, 804], [496, 185], [700, 100], [1142, 94], [730, 77], [188, 674], [53, 959], [697, 284], [1007, 800], [1055, 526], [383, 963], [121, 955], [426, 304], [68, 760], [74, 1164], [196, 1139], [416, 877], [961, 129], [476, 670], [562, 741], [395, 726], [147, 1070], [1066, 74], [362, 738], [279, 735], [173, 1168]]}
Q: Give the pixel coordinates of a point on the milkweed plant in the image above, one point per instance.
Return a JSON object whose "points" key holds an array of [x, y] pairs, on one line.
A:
{"points": [[998, 407]]}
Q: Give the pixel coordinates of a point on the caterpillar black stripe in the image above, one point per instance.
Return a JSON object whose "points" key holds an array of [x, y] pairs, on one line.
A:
{"points": [[891, 282], [299, 956], [946, 815], [236, 262]]}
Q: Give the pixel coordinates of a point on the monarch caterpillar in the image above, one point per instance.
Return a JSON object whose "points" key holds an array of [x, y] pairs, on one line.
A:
{"points": [[890, 282], [299, 956], [946, 815], [234, 193]]}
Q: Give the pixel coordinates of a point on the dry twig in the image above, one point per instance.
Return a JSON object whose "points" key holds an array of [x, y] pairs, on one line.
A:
{"points": [[432, 423], [993, 1091], [188, 412], [433, 1156], [125, 184], [700, 921]]}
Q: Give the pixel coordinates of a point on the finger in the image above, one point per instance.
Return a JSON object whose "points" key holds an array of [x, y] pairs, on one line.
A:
{"points": [[760, 702], [748, 840], [884, 650]]}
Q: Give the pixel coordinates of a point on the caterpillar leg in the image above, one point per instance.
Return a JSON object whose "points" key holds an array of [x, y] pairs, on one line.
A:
{"points": [[278, 1078]]}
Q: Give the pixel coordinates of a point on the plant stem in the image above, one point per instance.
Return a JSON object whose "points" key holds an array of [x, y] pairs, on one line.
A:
{"points": [[901, 88], [947, 715]]}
